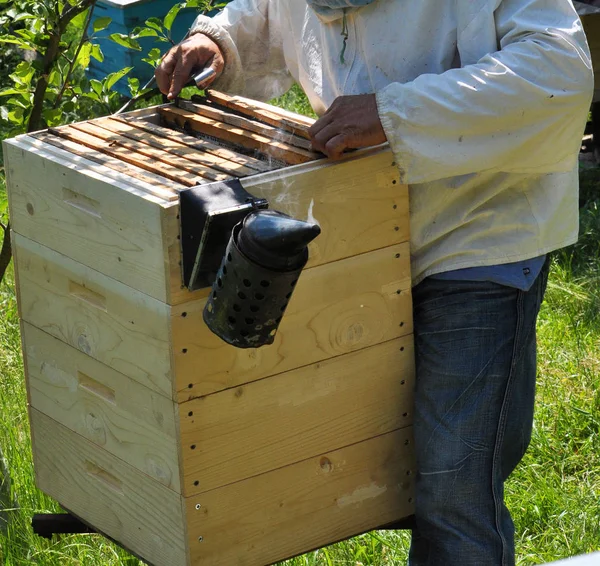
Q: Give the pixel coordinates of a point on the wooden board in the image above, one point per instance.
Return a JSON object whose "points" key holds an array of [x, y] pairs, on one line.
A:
{"points": [[88, 213], [109, 409], [155, 185], [197, 143], [140, 155], [272, 132], [337, 308], [117, 325], [304, 506], [122, 502], [239, 136], [268, 114], [359, 203], [274, 422], [170, 146]]}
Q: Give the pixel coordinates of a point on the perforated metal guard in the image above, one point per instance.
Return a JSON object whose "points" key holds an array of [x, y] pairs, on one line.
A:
{"points": [[247, 301]]}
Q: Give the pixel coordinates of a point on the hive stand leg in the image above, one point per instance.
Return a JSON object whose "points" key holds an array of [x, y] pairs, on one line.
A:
{"points": [[47, 524]]}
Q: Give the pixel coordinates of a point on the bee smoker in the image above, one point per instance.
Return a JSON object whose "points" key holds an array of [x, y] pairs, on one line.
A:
{"points": [[266, 253]]}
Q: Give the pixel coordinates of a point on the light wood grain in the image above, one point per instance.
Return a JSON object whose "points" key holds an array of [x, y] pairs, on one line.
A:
{"points": [[294, 123], [87, 212], [337, 308], [359, 204], [135, 510], [274, 422], [232, 134], [111, 410], [156, 185], [170, 146], [272, 132], [117, 325], [140, 155], [196, 143], [306, 505]]}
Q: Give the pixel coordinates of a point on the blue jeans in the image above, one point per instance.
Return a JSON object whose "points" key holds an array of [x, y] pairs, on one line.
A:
{"points": [[475, 345]]}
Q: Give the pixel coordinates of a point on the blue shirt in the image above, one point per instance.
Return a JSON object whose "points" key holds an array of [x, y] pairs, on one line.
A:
{"points": [[520, 274]]}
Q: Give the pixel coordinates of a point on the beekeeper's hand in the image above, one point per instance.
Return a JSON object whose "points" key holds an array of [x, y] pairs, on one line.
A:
{"points": [[182, 61], [351, 122]]}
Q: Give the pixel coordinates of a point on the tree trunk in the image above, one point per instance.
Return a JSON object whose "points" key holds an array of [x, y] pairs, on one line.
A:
{"points": [[5, 252]]}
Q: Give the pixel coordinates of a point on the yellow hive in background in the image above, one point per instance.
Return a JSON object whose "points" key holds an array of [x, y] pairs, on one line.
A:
{"points": [[148, 427]]}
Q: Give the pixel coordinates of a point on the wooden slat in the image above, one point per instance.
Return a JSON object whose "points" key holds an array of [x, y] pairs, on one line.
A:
{"points": [[156, 185], [117, 325], [274, 422], [109, 409], [272, 115], [359, 203], [170, 146], [337, 308], [126, 155], [88, 213], [306, 505], [250, 125], [122, 502], [172, 166], [250, 140], [197, 143]]}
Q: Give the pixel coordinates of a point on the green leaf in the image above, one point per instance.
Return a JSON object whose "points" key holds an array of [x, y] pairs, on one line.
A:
{"points": [[92, 95], [111, 79], [154, 23], [145, 32], [101, 23], [171, 15], [15, 115], [9, 91], [134, 86], [96, 86], [52, 116], [23, 73], [23, 16], [96, 53], [153, 58], [54, 77], [78, 21], [125, 41], [18, 42], [83, 58]]}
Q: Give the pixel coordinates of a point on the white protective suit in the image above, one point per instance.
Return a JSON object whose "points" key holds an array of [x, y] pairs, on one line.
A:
{"points": [[483, 103]]}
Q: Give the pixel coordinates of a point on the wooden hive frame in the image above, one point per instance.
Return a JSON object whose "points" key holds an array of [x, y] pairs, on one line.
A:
{"points": [[175, 444]]}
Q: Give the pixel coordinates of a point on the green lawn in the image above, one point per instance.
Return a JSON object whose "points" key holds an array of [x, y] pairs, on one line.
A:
{"points": [[554, 495]]}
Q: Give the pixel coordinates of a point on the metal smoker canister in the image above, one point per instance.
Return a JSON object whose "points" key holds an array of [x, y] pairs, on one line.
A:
{"points": [[265, 256]]}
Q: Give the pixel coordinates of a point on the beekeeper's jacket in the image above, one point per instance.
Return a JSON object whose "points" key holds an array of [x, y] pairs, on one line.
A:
{"points": [[483, 103]]}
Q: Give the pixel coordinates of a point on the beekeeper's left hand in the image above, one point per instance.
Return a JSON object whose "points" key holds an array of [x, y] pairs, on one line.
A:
{"points": [[351, 122]]}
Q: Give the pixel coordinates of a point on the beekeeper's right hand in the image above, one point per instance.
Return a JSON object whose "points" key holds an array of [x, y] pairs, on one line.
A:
{"points": [[186, 59]]}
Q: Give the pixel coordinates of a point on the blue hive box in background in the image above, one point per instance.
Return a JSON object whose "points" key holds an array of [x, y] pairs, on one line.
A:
{"points": [[126, 15]]}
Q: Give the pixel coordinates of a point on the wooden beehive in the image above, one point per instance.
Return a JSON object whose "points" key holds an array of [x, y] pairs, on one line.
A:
{"points": [[184, 449]]}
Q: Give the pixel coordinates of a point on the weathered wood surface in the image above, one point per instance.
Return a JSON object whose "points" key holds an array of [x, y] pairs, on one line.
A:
{"points": [[173, 147], [117, 325], [306, 505], [159, 186], [294, 123], [272, 132], [107, 408], [239, 136], [337, 308], [94, 215], [274, 422], [197, 143], [122, 502]]}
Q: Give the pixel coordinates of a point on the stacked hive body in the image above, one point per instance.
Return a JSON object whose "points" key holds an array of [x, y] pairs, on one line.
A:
{"points": [[180, 447]]}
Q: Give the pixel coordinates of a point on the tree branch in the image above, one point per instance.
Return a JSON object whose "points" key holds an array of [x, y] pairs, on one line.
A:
{"points": [[73, 61]]}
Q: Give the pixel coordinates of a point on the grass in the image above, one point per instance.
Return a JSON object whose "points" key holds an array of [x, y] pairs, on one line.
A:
{"points": [[554, 494]]}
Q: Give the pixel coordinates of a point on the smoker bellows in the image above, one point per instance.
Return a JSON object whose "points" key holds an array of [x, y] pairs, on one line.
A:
{"points": [[182, 448]]}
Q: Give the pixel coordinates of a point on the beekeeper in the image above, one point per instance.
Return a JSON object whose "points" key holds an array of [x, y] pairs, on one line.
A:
{"points": [[483, 103]]}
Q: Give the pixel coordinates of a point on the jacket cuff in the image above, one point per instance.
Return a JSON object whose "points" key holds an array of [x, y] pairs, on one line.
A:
{"points": [[232, 77]]}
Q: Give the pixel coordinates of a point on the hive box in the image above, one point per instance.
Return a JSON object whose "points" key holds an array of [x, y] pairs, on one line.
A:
{"points": [[183, 449]]}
